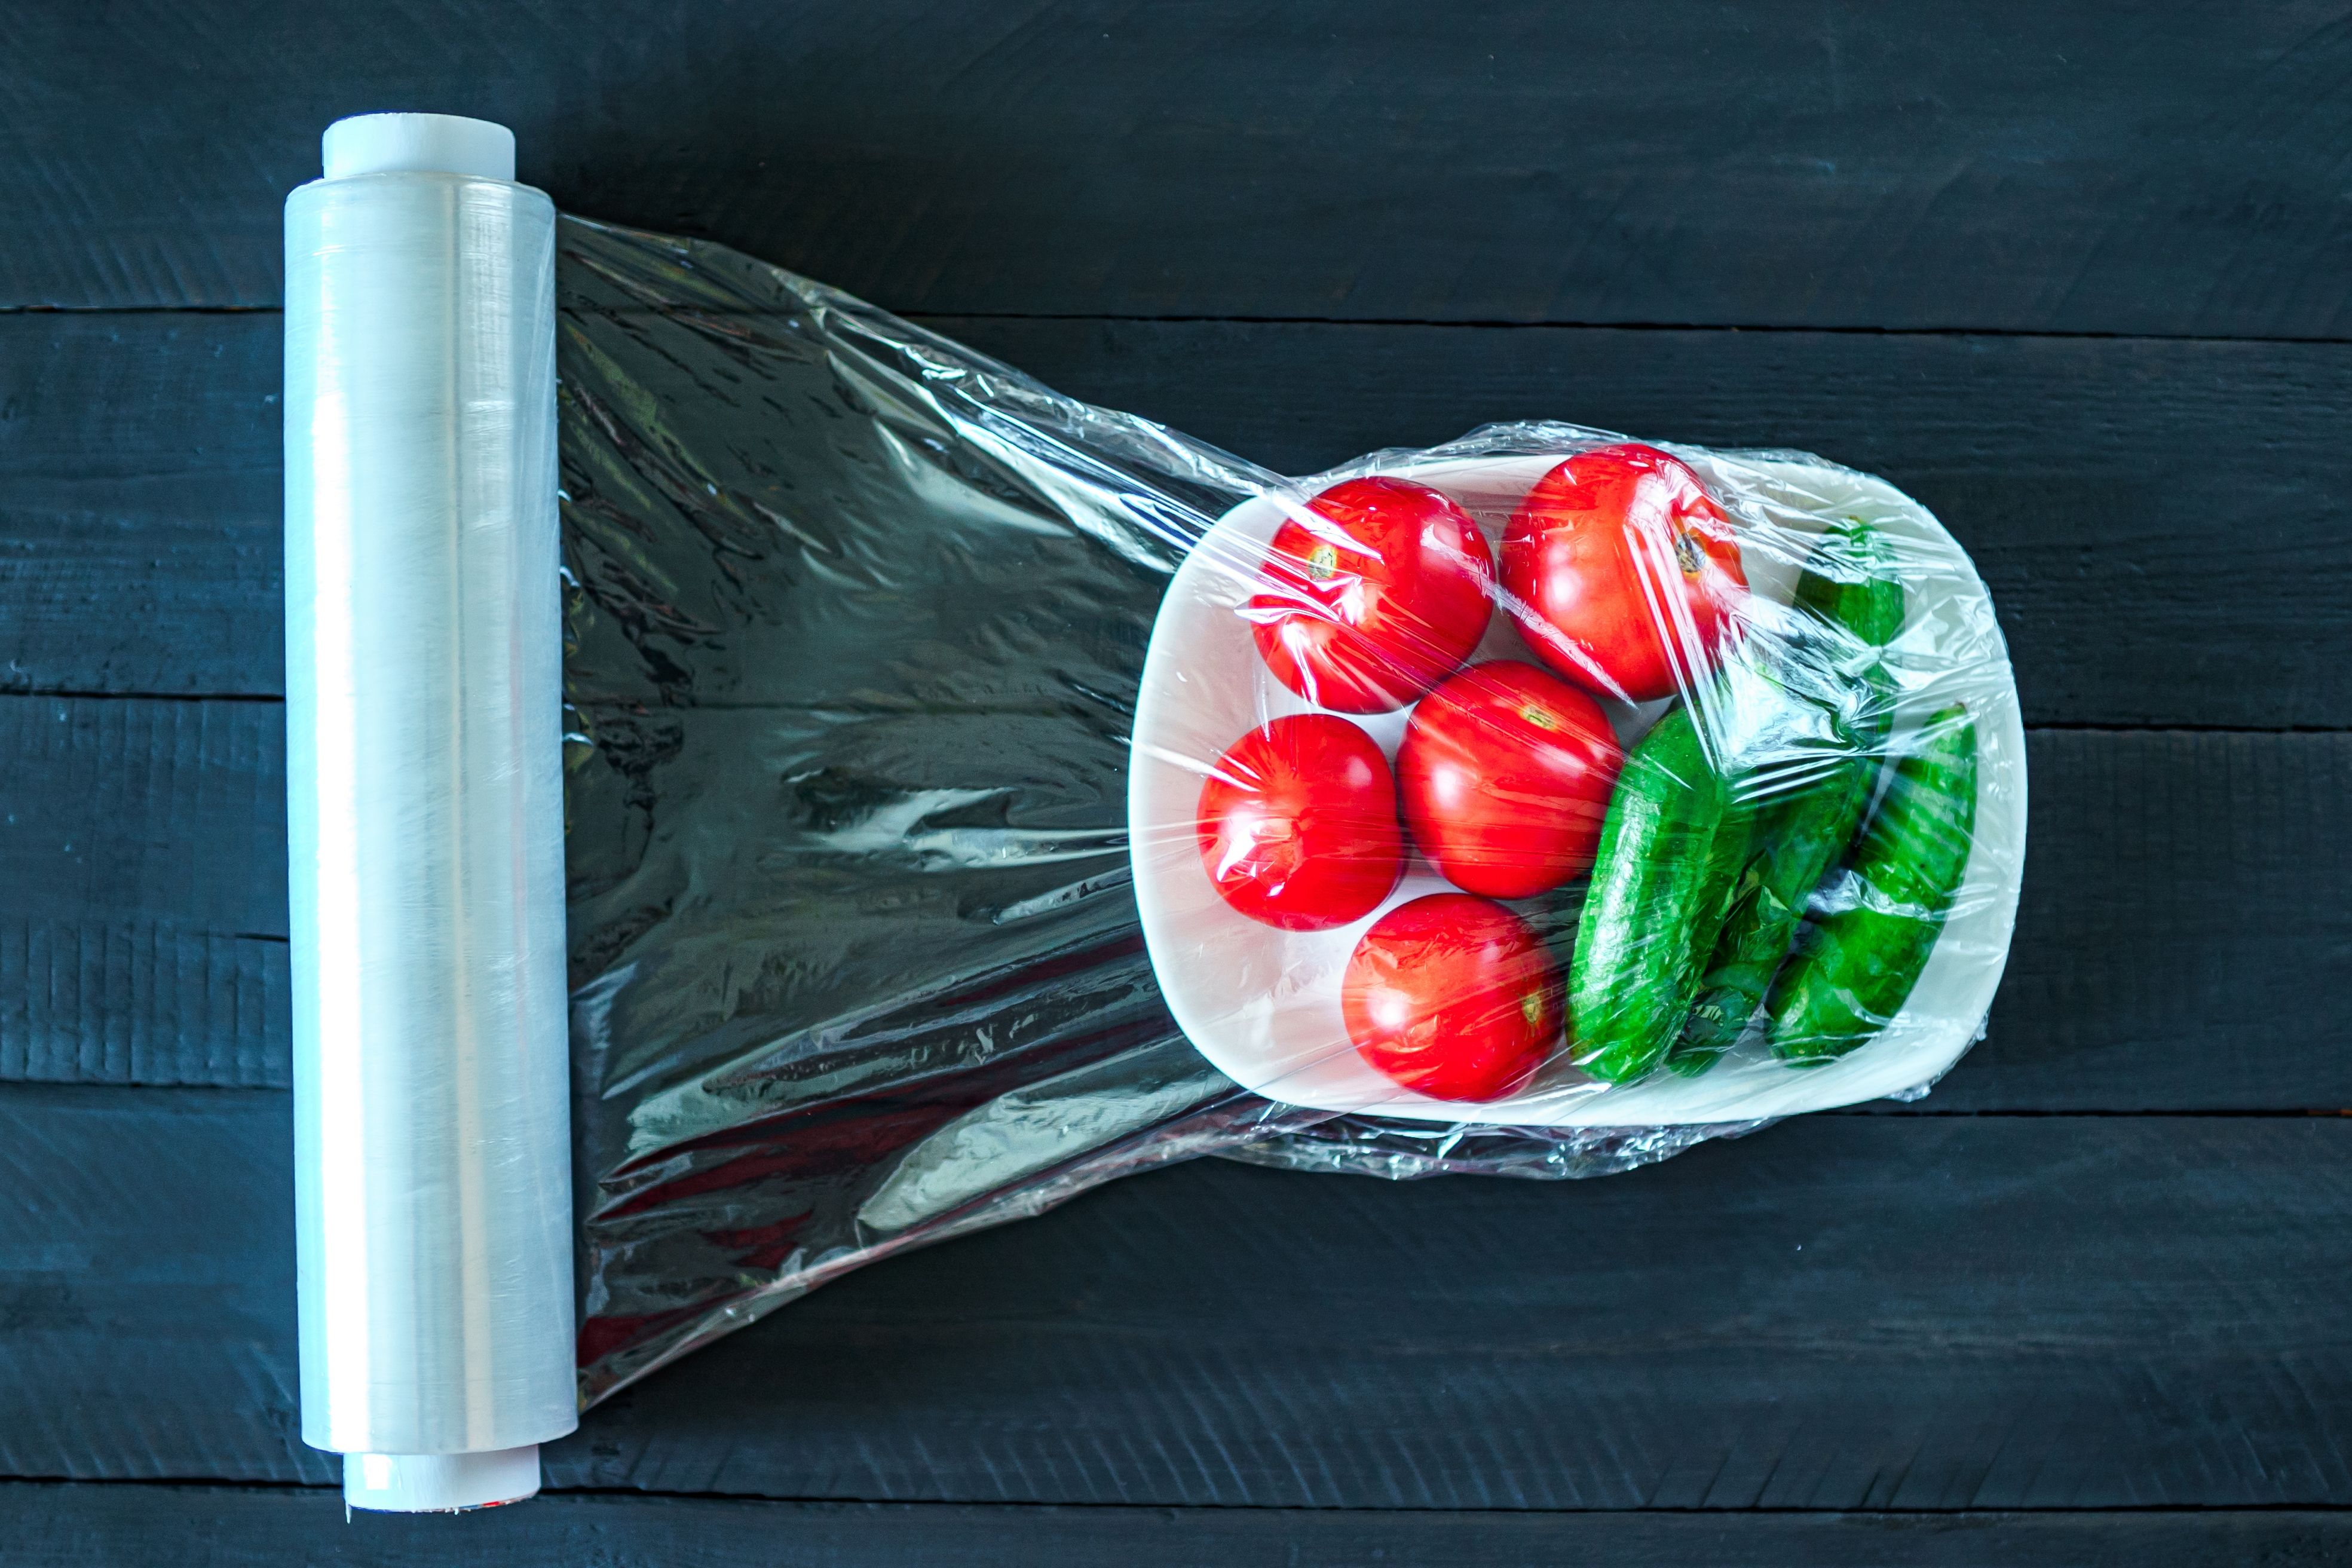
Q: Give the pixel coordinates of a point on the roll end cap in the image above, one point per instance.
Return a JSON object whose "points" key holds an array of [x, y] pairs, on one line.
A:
{"points": [[440, 1483], [418, 143]]}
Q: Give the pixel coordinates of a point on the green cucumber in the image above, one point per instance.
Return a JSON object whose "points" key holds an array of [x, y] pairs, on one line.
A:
{"points": [[1630, 983], [1854, 967], [1728, 882], [1862, 594], [1802, 835], [1803, 838], [1727, 859]]}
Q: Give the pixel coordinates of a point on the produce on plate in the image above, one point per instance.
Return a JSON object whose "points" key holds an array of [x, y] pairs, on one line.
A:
{"points": [[1855, 965], [1452, 996], [1377, 592], [1856, 606], [1657, 880], [1622, 572], [1298, 824], [1505, 773], [1704, 849]]}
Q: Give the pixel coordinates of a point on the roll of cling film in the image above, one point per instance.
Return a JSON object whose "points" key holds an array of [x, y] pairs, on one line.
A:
{"points": [[424, 815]]}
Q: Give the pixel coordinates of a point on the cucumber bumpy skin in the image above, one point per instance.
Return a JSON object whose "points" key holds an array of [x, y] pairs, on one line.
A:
{"points": [[1631, 982], [1854, 968], [1727, 864], [1802, 838], [1869, 604], [1728, 881]]}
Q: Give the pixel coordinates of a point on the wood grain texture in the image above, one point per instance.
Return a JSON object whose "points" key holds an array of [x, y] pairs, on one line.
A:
{"points": [[1840, 1314], [2096, 168], [2178, 948], [147, 1286], [140, 513], [143, 891], [2160, 521], [2166, 937], [86, 1526]]}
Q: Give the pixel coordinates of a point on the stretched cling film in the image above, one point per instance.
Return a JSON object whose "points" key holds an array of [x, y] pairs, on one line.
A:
{"points": [[973, 795]]}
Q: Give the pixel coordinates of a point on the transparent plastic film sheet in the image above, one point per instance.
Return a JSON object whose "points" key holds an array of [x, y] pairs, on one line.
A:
{"points": [[973, 795]]}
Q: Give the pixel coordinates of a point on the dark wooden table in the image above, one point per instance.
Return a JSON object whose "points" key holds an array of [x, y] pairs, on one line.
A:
{"points": [[2079, 277]]}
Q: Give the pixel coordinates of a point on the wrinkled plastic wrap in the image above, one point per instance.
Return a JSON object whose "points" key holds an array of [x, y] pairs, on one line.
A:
{"points": [[896, 683]]}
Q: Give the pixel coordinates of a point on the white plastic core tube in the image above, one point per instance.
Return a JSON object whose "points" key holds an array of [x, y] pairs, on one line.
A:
{"points": [[426, 815]]}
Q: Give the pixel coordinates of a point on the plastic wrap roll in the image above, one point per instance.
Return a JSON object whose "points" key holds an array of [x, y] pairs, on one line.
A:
{"points": [[426, 812]]}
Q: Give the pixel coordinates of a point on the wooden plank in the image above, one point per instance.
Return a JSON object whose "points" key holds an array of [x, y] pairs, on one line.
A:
{"points": [[140, 534], [147, 1286], [143, 891], [2178, 948], [2171, 930], [71, 1525], [2157, 520], [2026, 166], [1841, 1313]]}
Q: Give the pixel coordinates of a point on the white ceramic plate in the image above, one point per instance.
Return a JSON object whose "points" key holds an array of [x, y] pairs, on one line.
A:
{"points": [[1264, 1004]]}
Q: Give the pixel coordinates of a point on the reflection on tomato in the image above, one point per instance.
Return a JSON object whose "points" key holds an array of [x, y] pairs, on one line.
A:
{"points": [[1452, 996], [1298, 824], [1621, 570], [1504, 773], [1373, 596]]}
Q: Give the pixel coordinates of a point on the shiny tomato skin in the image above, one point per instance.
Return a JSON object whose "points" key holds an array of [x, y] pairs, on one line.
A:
{"points": [[1504, 773], [1376, 596], [1298, 827], [1452, 996], [1597, 539]]}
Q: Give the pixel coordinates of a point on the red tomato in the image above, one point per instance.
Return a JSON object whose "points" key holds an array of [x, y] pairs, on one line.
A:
{"points": [[1620, 569], [1376, 596], [1505, 773], [1298, 824], [1452, 996]]}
